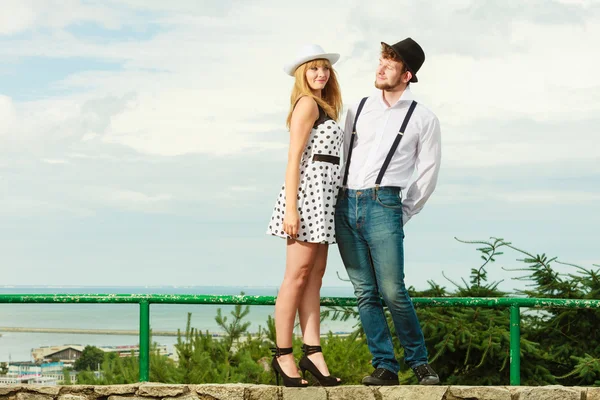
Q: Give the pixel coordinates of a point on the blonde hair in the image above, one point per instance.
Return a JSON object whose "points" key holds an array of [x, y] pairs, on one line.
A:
{"points": [[331, 97]]}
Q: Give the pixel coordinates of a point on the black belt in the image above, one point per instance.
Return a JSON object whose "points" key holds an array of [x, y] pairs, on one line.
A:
{"points": [[326, 158]]}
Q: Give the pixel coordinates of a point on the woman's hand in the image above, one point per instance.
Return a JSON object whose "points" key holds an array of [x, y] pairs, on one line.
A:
{"points": [[291, 222], [304, 116]]}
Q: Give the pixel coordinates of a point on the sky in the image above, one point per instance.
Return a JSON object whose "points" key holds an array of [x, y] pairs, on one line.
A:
{"points": [[143, 142]]}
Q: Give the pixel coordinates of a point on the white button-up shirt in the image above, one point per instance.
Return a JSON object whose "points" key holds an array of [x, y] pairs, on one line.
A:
{"points": [[419, 152]]}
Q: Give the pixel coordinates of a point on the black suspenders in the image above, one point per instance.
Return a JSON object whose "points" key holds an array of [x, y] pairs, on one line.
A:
{"points": [[390, 154], [360, 106], [386, 163]]}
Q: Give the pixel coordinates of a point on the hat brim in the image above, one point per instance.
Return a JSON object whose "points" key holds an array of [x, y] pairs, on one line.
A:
{"points": [[291, 68], [414, 76]]}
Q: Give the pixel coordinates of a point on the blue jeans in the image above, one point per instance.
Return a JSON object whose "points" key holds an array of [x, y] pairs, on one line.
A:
{"points": [[368, 228]]}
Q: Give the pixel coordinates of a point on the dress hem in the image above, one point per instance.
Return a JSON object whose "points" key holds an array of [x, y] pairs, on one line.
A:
{"points": [[300, 240]]}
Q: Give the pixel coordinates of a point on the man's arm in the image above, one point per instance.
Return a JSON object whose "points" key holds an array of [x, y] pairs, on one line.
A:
{"points": [[429, 155]]}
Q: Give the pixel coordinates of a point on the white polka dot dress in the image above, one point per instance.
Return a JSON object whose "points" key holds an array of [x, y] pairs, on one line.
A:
{"points": [[318, 186]]}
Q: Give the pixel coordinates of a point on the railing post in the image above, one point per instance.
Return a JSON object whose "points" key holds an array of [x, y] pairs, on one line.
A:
{"points": [[515, 345], [144, 354]]}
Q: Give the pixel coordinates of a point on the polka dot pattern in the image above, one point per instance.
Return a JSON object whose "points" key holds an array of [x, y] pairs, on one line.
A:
{"points": [[317, 189]]}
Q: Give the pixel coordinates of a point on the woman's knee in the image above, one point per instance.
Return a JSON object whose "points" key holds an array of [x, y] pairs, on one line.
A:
{"points": [[299, 278], [319, 270]]}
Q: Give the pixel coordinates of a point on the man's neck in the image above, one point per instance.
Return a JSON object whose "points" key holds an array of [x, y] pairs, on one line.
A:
{"points": [[391, 97]]}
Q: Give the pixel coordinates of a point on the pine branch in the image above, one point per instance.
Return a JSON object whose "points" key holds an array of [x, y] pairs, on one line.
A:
{"points": [[452, 282], [485, 352], [340, 278]]}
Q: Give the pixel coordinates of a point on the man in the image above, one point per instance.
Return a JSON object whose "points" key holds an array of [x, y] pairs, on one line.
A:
{"points": [[389, 138]]}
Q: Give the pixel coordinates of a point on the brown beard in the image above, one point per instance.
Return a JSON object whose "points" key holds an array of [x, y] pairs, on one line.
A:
{"points": [[387, 86], [383, 86]]}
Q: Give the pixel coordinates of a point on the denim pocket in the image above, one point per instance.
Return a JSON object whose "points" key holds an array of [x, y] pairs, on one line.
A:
{"points": [[389, 199]]}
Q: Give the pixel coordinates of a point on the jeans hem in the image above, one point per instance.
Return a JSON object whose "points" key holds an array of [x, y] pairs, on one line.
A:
{"points": [[394, 369], [416, 364]]}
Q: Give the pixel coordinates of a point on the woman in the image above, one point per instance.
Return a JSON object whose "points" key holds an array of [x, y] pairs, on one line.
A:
{"points": [[304, 211]]}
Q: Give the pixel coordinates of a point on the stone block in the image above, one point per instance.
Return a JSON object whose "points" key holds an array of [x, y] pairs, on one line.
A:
{"points": [[412, 392], [33, 396], [263, 392], [592, 393], [119, 397], [478, 392], [51, 390], [221, 392], [69, 396], [352, 393], [7, 390], [312, 393], [109, 390], [545, 393], [190, 396], [158, 390]]}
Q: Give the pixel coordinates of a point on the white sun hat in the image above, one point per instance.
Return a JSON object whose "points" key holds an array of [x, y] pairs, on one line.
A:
{"points": [[308, 53]]}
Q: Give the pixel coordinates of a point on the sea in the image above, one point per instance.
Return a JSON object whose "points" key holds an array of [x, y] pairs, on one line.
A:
{"points": [[17, 346]]}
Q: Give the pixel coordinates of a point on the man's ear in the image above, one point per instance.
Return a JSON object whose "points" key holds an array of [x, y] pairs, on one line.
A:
{"points": [[409, 76]]}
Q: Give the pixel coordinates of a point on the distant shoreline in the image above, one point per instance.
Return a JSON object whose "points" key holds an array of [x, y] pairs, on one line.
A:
{"points": [[123, 332], [120, 332]]}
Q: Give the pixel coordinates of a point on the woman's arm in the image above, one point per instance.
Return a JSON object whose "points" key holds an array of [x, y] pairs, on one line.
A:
{"points": [[304, 116]]}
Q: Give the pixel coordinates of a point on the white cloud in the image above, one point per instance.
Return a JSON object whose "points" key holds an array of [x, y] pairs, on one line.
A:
{"points": [[134, 197], [21, 15], [477, 193], [55, 161], [23, 205], [32, 125], [553, 197], [210, 81], [112, 197], [243, 189], [178, 121], [180, 93], [517, 148], [7, 116], [17, 16]]}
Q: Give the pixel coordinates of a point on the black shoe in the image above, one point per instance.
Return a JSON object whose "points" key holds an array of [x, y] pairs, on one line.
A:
{"points": [[307, 365], [381, 377], [287, 381], [426, 375]]}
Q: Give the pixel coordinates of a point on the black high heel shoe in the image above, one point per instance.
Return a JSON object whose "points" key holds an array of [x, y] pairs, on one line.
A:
{"points": [[287, 381], [307, 365]]}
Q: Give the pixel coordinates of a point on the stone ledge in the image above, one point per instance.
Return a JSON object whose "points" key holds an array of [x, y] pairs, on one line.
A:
{"points": [[158, 391]]}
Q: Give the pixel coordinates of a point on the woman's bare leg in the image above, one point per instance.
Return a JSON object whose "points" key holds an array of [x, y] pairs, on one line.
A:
{"points": [[300, 259], [310, 309]]}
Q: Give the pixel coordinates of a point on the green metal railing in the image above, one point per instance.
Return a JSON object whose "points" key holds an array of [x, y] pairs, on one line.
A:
{"points": [[144, 300]]}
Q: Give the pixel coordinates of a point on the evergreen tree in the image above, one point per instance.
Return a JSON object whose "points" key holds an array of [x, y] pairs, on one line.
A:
{"points": [[467, 346], [569, 336]]}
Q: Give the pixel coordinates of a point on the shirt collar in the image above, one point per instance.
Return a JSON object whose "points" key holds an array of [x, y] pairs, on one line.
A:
{"points": [[407, 95]]}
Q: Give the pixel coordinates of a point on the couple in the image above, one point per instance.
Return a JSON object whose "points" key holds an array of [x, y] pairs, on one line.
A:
{"points": [[388, 137]]}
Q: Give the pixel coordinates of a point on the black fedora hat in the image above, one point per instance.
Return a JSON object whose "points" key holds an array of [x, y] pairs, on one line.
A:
{"points": [[411, 54]]}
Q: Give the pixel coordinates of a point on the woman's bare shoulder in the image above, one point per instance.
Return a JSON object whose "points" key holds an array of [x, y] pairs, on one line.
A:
{"points": [[306, 106]]}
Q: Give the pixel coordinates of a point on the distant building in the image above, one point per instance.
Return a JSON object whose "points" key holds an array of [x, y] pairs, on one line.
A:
{"points": [[28, 372], [127, 351], [66, 354], [69, 353]]}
